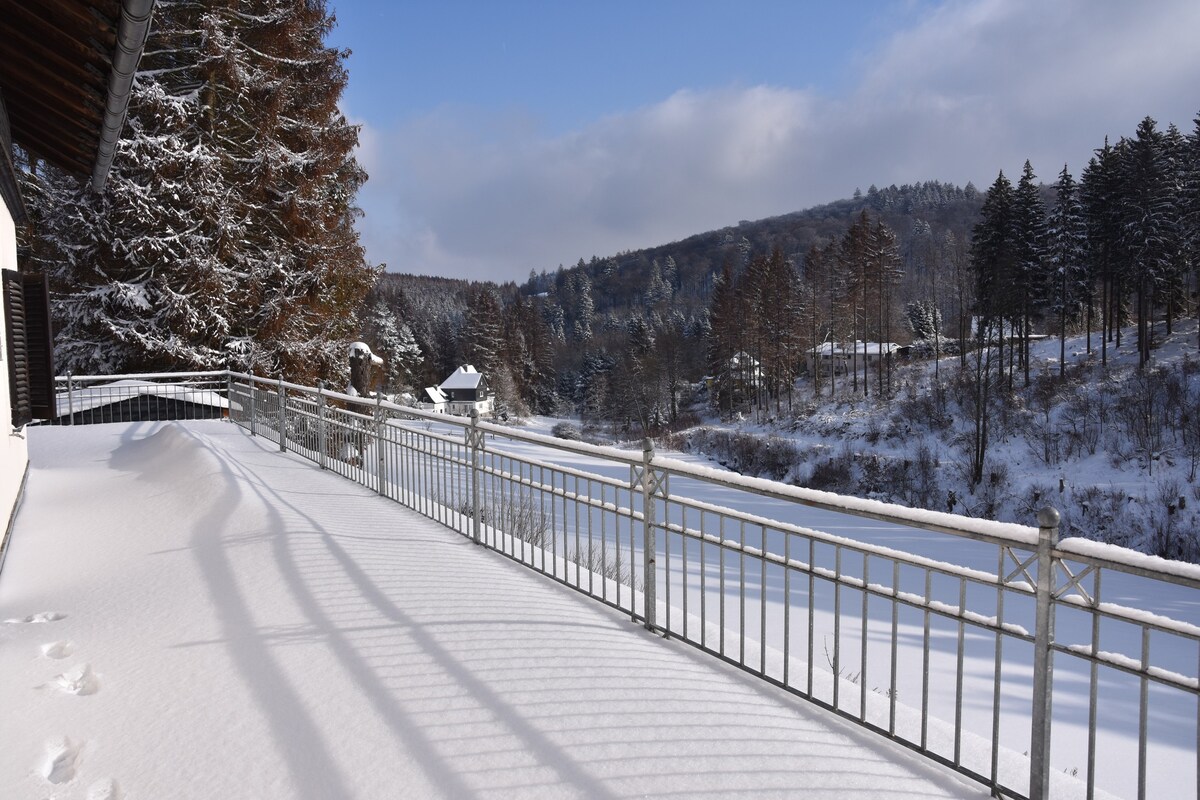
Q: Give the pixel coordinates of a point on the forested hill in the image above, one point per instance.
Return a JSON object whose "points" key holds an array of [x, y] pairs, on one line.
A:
{"points": [[620, 281], [556, 331]]}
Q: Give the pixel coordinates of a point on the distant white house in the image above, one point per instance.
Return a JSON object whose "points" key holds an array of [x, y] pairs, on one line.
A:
{"points": [[466, 390], [433, 399], [742, 371], [849, 356]]}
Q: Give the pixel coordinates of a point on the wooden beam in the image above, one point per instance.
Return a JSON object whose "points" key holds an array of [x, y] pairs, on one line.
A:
{"points": [[52, 58]]}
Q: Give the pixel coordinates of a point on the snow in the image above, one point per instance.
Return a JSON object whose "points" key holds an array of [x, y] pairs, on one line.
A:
{"points": [[1131, 559], [465, 377], [1169, 606], [1016, 534], [190, 614]]}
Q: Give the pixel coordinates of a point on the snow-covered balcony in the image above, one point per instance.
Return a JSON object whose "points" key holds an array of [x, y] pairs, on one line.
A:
{"points": [[191, 612]]}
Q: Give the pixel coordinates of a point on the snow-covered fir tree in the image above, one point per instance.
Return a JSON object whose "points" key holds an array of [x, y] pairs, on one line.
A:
{"points": [[225, 234], [394, 342]]}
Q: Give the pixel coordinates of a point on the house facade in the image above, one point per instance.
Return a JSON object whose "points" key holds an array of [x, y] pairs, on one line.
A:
{"points": [[844, 357], [467, 390]]}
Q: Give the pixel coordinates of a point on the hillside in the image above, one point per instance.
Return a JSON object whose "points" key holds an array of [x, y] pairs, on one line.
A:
{"points": [[620, 280], [1115, 449]]}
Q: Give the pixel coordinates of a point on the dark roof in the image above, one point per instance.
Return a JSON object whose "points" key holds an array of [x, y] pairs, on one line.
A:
{"points": [[57, 76]]}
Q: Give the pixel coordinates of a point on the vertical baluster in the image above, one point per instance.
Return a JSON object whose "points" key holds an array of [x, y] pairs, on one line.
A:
{"points": [[1043, 657]]}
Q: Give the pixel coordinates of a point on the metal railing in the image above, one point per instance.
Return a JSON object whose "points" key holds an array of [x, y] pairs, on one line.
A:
{"points": [[93, 399], [1036, 667]]}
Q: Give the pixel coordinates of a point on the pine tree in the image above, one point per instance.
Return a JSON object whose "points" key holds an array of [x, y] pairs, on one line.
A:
{"points": [[995, 258], [1100, 190], [480, 341], [392, 341], [225, 236], [1146, 211], [1066, 251], [1191, 207], [1032, 275], [727, 319]]}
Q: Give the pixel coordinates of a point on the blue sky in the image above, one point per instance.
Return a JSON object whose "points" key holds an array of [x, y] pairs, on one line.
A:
{"points": [[508, 136]]}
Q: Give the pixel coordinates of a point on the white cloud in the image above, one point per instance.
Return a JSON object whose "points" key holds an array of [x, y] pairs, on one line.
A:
{"points": [[973, 88]]}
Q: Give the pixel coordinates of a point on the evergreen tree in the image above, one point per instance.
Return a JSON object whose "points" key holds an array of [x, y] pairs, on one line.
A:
{"points": [[1191, 204], [392, 341], [225, 234], [1032, 284], [995, 258], [480, 341], [1066, 251], [1100, 191], [1146, 211]]}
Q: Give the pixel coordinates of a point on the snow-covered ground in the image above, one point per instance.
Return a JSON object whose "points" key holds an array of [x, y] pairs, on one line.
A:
{"points": [[1172, 728], [188, 613], [1115, 476]]}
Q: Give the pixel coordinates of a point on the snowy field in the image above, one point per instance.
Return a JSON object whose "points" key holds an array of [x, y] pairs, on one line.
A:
{"points": [[1171, 717], [190, 614]]}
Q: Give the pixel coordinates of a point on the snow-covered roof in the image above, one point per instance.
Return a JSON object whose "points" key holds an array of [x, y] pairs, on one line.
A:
{"points": [[465, 377], [869, 348], [742, 359], [434, 395]]}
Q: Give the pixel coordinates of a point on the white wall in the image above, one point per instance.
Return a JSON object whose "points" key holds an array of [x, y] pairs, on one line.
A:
{"points": [[14, 454]]}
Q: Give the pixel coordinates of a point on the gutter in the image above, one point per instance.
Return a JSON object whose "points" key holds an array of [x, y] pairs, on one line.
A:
{"points": [[132, 31]]}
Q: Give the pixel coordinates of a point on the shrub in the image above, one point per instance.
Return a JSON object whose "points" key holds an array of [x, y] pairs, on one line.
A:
{"points": [[565, 430]]}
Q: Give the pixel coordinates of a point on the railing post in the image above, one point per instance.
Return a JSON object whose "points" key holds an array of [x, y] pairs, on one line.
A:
{"points": [[253, 406], [649, 595], [1043, 657], [321, 423], [475, 444], [70, 400], [379, 443], [282, 417]]}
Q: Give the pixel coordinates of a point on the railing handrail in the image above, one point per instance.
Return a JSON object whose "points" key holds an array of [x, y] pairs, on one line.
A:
{"points": [[142, 376]]}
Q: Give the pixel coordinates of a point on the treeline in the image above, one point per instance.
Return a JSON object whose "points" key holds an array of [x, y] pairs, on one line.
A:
{"points": [[1122, 244], [734, 317], [625, 340]]}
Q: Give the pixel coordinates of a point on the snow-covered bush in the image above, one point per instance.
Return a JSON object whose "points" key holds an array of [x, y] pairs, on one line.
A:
{"points": [[565, 430]]}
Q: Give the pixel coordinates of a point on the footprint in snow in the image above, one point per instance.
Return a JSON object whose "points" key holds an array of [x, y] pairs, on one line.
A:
{"points": [[58, 650], [79, 680], [104, 789], [58, 763], [45, 616]]}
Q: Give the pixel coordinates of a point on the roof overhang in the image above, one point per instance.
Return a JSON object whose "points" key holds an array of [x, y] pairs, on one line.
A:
{"points": [[66, 71]]}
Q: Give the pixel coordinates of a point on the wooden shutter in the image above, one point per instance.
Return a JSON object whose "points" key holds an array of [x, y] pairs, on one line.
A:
{"points": [[30, 347]]}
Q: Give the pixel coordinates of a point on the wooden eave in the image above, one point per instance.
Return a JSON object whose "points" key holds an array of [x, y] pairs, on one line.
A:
{"points": [[55, 58]]}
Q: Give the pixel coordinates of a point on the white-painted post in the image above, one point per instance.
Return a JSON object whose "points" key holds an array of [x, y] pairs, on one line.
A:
{"points": [[1043, 657], [321, 424], [649, 547], [379, 443], [282, 417], [475, 443], [70, 400], [253, 406]]}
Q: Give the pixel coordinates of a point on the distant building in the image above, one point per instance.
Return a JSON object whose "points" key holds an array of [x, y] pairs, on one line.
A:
{"points": [[432, 399], [849, 356], [466, 390]]}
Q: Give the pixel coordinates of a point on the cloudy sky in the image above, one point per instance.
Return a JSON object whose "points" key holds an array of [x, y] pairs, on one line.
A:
{"points": [[502, 137]]}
